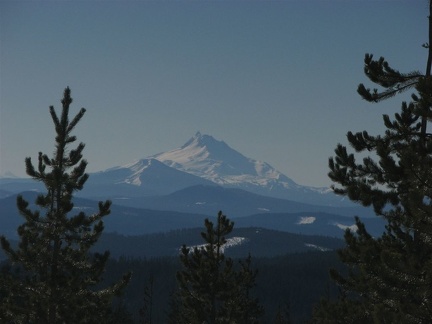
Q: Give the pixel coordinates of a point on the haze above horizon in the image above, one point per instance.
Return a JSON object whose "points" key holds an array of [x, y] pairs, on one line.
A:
{"points": [[274, 80]]}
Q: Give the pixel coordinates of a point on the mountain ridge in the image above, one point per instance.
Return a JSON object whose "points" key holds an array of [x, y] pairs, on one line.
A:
{"points": [[138, 221]]}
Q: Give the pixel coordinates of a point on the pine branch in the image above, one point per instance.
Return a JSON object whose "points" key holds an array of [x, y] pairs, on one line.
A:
{"points": [[394, 82], [75, 121]]}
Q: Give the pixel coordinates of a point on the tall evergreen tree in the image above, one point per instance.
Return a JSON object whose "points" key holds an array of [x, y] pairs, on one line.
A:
{"points": [[210, 289], [389, 278], [57, 277]]}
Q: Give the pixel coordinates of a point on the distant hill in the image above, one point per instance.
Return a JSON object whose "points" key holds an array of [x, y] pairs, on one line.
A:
{"points": [[207, 200], [137, 221], [124, 220], [311, 223]]}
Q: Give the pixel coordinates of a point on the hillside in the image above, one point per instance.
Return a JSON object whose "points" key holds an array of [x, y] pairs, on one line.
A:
{"points": [[259, 242]]}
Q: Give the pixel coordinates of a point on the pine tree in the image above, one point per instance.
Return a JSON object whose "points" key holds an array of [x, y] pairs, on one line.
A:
{"points": [[210, 289], [57, 275], [389, 278]]}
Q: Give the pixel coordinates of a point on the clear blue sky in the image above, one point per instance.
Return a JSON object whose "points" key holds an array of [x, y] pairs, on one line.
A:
{"points": [[276, 80]]}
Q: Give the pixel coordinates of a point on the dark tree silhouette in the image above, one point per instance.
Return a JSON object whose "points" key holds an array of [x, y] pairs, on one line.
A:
{"points": [[390, 277], [210, 289], [58, 276]]}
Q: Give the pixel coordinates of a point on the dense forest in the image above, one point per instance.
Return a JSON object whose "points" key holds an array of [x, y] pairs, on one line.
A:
{"points": [[292, 276], [289, 285]]}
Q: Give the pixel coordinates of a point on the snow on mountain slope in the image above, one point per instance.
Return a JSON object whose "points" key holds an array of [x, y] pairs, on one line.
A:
{"points": [[146, 176], [214, 160], [138, 168]]}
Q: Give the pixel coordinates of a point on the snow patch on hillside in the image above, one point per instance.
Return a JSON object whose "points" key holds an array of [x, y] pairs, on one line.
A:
{"points": [[82, 208], [306, 220], [231, 242], [352, 228], [319, 248]]}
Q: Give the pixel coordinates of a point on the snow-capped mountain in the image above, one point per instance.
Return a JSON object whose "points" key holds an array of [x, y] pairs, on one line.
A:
{"points": [[202, 160], [213, 160]]}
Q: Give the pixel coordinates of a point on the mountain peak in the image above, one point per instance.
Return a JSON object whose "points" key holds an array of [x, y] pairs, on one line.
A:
{"points": [[209, 158], [204, 156], [205, 141]]}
